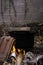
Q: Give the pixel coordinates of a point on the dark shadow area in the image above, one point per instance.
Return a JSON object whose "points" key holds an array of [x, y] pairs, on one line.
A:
{"points": [[24, 39]]}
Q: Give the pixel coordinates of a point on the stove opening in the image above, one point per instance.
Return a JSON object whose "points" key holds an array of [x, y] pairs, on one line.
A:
{"points": [[24, 39]]}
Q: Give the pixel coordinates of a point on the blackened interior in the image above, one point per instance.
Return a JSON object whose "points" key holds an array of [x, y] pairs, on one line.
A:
{"points": [[24, 39]]}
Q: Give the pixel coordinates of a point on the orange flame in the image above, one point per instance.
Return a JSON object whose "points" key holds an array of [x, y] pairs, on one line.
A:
{"points": [[13, 49], [19, 50]]}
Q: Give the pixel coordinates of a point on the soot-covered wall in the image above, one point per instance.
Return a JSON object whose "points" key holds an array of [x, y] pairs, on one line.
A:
{"points": [[20, 12], [24, 39]]}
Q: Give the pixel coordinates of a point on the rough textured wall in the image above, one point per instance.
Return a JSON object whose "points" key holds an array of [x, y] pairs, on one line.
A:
{"points": [[21, 12]]}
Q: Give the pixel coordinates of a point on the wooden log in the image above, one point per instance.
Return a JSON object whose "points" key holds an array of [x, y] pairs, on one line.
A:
{"points": [[6, 43]]}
